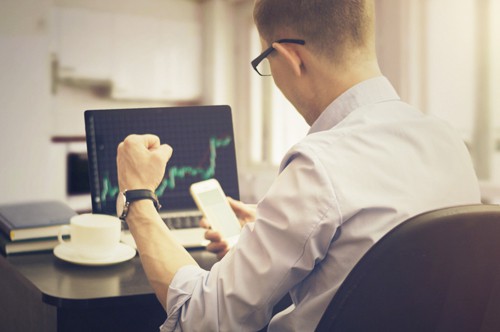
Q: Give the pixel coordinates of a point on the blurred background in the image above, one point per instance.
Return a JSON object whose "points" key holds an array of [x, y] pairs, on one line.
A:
{"points": [[59, 58]]}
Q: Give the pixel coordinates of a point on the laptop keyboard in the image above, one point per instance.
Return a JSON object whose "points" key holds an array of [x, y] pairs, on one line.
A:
{"points": [[182, 220]]}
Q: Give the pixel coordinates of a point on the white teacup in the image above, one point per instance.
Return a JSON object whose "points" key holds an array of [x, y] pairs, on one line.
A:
{"points": [[93, 236]]}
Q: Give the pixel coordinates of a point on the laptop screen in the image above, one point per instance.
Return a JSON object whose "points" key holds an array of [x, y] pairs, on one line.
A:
{"points": [[202, 139]]}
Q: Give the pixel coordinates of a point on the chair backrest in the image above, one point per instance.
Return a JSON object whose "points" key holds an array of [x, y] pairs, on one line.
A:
{"points": [[438, 271]]}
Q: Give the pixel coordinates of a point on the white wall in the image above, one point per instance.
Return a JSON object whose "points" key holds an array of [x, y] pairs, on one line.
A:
{"points": [[441, 56], [495, 87], [25, 101]]}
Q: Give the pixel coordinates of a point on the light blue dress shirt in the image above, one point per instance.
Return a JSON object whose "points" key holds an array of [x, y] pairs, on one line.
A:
{"points": [[368, 163]]}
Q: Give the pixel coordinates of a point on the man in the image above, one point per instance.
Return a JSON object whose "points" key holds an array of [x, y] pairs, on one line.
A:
{"points": [[368, 163]]}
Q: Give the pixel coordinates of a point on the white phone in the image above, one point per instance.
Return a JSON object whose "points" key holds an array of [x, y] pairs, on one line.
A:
{"points": [[212, 202]]}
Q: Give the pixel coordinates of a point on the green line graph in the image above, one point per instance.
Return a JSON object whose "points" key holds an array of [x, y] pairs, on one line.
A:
{"points": [[175, 172], [108, 190]]}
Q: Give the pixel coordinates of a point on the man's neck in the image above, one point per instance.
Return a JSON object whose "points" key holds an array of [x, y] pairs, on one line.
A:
{"points": [[326, 86]]}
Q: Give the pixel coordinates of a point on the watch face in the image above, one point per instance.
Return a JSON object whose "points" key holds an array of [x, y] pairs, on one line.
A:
{"points": [[120, 203]]}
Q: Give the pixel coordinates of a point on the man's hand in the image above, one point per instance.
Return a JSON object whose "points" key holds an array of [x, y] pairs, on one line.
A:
{"points": [[141, 162], [218, 245], [244, 212]]}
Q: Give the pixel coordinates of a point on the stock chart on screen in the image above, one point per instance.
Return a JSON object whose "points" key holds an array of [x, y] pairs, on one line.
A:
{"points": [[203, 147]]}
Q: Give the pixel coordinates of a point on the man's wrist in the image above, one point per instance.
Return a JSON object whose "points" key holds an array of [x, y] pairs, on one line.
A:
{"points": [[141, 208]]}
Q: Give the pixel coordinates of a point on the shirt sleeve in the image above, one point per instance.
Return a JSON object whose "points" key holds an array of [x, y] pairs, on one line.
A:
{"points": [[295, 224]]}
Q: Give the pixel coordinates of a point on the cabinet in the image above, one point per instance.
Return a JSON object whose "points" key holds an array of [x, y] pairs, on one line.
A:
{"points": [[84, 43], [140, 57], [156, 59], [182, 42]]}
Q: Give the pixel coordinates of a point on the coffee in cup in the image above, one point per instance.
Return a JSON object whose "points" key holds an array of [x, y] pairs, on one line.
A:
{"points": [[92, 236]]}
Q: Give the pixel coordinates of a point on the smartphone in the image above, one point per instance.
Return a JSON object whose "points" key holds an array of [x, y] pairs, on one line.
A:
{"points": [[212, 202]]}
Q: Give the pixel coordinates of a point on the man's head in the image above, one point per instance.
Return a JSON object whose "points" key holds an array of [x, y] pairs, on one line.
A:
{"points": [[339, 49], [331, 28]]}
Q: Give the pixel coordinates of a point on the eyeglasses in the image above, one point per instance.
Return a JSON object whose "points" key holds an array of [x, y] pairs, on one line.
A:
{"points": [[261, 64]]}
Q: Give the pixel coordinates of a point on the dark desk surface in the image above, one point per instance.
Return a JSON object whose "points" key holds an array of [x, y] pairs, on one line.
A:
{"points": [[64, 284], [39, 292]]}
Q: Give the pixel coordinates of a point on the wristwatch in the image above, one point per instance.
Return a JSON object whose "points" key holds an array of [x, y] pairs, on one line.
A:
{"points": [[125, 198]]}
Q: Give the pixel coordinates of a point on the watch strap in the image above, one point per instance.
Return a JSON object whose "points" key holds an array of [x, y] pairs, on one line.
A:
{"points": [[140, 194], [137, 195]]}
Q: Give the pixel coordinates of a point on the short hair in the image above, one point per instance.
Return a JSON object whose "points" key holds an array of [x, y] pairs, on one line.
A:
{"points": [[330, 27]]}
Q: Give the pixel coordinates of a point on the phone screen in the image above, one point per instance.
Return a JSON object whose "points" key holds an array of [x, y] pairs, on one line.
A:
{"points": [[218, 212]]}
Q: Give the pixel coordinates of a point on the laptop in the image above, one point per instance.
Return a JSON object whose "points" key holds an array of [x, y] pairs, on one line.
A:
{"points": [[202, 138]]}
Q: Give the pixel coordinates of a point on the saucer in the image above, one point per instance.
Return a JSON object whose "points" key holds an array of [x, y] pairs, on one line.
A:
{"points": [[65, 252]]}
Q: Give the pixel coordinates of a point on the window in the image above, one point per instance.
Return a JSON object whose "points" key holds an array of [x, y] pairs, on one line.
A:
{"points": [[442, 56]]}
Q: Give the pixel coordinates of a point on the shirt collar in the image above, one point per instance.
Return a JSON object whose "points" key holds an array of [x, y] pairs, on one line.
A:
{"points": [[371, 91]]}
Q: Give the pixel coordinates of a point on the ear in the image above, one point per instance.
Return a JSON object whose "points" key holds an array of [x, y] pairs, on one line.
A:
{"points": [[292, 57]]}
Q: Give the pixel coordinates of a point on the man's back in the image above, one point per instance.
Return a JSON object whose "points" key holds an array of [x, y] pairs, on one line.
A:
{"points": [[380, 164]]}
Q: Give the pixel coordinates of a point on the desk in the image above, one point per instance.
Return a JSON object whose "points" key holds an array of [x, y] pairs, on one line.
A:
{"points": [[39, 292]]}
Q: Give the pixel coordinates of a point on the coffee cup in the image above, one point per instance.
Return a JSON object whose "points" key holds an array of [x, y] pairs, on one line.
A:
{"points": [[92, 236]]}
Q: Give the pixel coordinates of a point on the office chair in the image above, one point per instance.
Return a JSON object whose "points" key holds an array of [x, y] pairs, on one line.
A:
{"points": [[438, 271]]}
